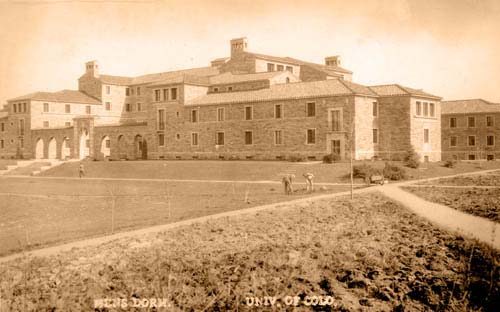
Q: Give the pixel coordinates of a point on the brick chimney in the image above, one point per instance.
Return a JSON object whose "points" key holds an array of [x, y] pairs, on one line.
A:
{"points": [[238, 45], [332, 60], [92, 69]]}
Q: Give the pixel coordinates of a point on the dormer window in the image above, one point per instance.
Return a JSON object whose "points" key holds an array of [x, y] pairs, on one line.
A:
{"points": [[280, 67], [270, 67]]}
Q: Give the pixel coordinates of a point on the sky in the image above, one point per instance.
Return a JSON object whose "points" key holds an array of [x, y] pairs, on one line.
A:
{"points": [[450, 48]]}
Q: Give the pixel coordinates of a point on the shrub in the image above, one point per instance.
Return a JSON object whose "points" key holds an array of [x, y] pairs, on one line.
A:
{"points": [[394, 172], [450, 163], [331, 158], [412, 159], [296, 158], [364, 171]]}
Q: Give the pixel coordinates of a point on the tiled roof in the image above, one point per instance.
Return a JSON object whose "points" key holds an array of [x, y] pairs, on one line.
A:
{"points": [[115, 80], [331, 70], [232, 78], [182, 78], [469, 106], [397, 90], [332, 87], [66, 96]]}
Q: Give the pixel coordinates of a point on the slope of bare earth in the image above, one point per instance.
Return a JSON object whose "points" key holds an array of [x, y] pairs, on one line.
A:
{"points": [[368, 253]]}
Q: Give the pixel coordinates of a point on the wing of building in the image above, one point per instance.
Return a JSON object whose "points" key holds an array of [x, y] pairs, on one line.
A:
{"points": [[244, 106]]}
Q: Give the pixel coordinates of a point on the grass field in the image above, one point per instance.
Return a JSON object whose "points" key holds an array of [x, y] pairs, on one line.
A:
{"points": [[245, 170], [37, 212], [368, 255], [490, 179]]}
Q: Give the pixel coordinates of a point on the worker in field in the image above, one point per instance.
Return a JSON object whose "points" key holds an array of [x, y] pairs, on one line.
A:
{"points": [[288, 183], [81, 171], [309, 181]]}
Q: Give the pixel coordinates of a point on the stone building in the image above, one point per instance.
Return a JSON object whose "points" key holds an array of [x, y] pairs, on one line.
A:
{"points": [[245, 106], [470, 129]]}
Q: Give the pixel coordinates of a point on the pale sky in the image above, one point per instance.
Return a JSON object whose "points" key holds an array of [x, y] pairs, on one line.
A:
{"points": [[450, 48]]}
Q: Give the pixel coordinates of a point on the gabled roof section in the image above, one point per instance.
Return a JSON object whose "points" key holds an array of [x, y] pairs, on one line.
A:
{"points": [[202, 71], [469, 106], [116, 80], [184, 79], [299, 90], [399, 90], [65, 96], [228, 77]]}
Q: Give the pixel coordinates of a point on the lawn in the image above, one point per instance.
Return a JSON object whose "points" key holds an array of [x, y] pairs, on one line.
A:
{"points": [[490, 179], [36, 212], [6, 162], [364, 254], [246, 170]]}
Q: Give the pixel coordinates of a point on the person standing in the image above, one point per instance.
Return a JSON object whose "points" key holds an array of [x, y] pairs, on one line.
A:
{"points": [[309, 181], [81, 171]]}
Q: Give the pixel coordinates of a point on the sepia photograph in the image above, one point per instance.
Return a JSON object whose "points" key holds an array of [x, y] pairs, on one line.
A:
{"points": [[249, 155]]}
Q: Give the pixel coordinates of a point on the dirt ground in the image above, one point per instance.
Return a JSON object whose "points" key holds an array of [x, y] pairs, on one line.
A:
{"points": [[367, 254], [39, 212]]}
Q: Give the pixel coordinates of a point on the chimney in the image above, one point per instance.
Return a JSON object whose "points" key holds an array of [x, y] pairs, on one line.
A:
{"points": [[332, 60], [92, 69], [238, 45]]}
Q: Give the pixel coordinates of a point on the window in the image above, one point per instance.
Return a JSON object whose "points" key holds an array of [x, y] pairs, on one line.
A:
{"points": [[108, 90], [219, 139], [194, 139], [67, 108], [426, 135], [127, 91], [248, 137], [375, 109], [311, 136], [278, 137], [453, 122], [138, 91], [45, 124], [490, 140], [289, 68], [471, 141], [107, 143], [165, 94], [2, 127], [489, 121], [21, 126], [139, 107], [173, 94], [432, 109], [161, 139], [157, 95], [472, 157], [216, 89], [87, 109], [453, 141], [107, 106], [24, 107], [127, 107], [67, 124], [161, 119], [1, 144], [270, 67], [375, 136], [287, 80], [280, 68], [278, 111], [471, 122], [336, 122], [418, 110], [229, 89], [194, 115], [132, 93], [311, 109], [220, 114], [426, 109], [248, 112], [45, 108]]}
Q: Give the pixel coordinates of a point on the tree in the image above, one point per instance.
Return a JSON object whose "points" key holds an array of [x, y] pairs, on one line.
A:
{"points": [[412, 159]]}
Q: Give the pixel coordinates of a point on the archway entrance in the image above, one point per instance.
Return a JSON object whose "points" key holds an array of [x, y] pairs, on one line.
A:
{"points": [[84, 144], [122, 147], [65, 149], [141, 147], [52, 149], [106, 146], [39, 149]]}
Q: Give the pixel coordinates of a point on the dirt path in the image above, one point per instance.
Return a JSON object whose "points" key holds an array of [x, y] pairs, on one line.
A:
{"points": [[458, 186], [482, 229]]}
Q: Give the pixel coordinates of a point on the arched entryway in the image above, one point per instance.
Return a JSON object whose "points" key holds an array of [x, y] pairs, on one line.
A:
{"points": [[65, 149], [52, 149], [140, 147], [106, 146], [84, 144], [122, 147], [39, 149]]}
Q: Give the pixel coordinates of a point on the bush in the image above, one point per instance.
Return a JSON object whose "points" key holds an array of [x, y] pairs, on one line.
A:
{"points": [[412, 159], [296, 158], [450, 163], [331, 158], [394, 172], [364, 172]]}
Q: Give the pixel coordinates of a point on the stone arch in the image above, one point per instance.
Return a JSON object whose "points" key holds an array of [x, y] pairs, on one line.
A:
{"points": [[122, 147], [65, 148], [39, 147], [84, 145], [52, 148], [140, 147], [105, 146]]}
